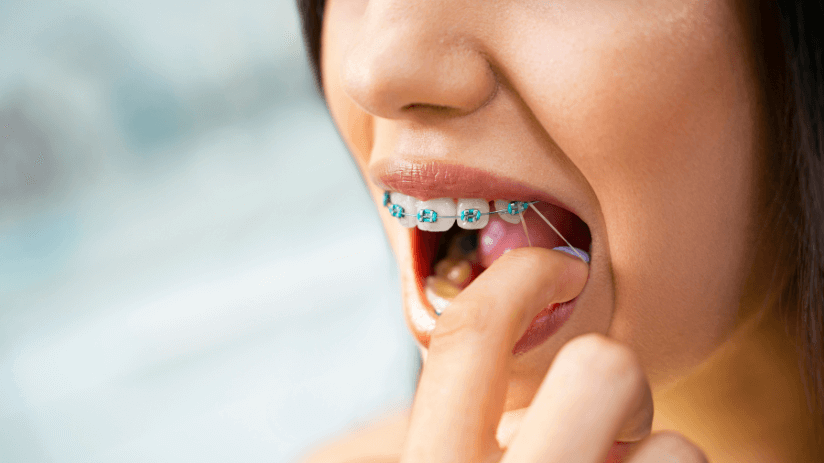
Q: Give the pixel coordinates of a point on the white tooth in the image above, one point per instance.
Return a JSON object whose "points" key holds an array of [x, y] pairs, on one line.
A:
{"points": [[503, 205], [408, 204], [438, 302], [470, 205], [440, 292], [443, 207]]}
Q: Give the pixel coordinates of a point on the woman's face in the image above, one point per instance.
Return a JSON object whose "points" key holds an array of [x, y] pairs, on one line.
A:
{"points": [[642, 117]]}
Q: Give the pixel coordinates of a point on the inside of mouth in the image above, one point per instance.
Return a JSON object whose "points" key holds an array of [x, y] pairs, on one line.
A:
{"points": [[446, 262]]}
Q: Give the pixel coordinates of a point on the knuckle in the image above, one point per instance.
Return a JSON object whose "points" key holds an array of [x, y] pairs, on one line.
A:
{"points": [[605, 360], [675, 447]]}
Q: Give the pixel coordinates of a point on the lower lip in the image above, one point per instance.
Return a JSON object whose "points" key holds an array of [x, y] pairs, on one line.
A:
{"points": [[544, 325]]}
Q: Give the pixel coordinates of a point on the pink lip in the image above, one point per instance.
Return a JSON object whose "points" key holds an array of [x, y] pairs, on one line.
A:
{"points": [[429, 179]]}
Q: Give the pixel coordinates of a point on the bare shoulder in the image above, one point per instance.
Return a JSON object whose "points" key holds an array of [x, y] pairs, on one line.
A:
{"points": [[377, 442]]}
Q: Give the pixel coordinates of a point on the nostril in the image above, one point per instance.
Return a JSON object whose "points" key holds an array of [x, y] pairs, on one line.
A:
{"points": [[433, 110], [427, 106], [402, 71]]}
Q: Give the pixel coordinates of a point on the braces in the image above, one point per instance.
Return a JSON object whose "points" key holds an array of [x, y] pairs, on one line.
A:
{"points": [[513, 208], [430, 216]]}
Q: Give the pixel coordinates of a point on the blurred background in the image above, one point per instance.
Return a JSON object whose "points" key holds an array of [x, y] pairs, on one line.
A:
{"points": [[190, 267]]}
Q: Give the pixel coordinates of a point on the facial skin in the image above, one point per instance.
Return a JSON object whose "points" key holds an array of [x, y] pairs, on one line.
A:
{"points": [[645, 116]]}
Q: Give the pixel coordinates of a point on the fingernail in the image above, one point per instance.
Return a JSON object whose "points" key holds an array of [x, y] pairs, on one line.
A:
{"points": [[580, 253]]}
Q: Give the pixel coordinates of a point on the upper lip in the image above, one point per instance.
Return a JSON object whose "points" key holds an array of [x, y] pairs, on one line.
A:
{"points": [[430, 179]]}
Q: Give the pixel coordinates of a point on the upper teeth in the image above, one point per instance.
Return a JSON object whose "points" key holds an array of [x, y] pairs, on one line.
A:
{"points": [[473, 214], [402, 207], [436, 214], [441, 213]]}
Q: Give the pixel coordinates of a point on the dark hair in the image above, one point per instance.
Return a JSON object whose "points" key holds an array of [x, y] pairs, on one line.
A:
{"points": [[795, 77], [311, 17], [792, 70]]}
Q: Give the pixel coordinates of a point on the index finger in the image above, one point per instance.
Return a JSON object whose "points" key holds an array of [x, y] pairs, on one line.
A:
{"points": [[462, 389]]}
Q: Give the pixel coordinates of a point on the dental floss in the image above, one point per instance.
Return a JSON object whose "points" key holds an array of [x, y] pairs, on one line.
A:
{"points": [[558, 233], [526, 232]]}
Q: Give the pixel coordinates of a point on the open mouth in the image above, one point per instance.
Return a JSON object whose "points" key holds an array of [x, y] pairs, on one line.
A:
{"points": [[447, 262]]}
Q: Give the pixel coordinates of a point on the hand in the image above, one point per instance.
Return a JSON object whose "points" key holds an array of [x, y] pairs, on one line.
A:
{"points": [[595, 392]]}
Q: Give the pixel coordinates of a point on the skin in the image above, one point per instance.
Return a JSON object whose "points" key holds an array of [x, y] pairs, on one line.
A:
{"points": [[648, 116]]}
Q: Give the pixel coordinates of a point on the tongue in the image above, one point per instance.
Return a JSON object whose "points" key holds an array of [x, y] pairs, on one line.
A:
{"points": [[500, 236]]}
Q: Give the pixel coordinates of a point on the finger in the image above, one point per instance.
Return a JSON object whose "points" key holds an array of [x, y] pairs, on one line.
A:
{"points": [[463, 384], [667, 446], [596, 392]]}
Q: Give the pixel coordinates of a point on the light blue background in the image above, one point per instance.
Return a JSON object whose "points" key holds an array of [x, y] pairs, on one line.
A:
{"points": [[190, 267]]}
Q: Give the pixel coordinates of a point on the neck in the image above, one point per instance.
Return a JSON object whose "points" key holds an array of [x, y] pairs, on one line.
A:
{"points": [[746, 403]]}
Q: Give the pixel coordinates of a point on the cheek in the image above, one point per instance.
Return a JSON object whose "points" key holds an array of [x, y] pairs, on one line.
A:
{"points": [[658, 116]]}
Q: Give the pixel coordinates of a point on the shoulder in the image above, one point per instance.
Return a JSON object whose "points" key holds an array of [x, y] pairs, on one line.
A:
{"points": [[380, 441]]}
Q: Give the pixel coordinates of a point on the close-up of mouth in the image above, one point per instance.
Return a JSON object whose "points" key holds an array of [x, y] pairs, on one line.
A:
{"points": [[447, 262], [455, 237]]}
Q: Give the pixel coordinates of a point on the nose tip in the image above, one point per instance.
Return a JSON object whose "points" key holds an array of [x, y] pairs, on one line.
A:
{"points": [[395, 71]]}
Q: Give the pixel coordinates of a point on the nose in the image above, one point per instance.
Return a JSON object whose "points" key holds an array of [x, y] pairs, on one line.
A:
{"points": [[409, 57]]}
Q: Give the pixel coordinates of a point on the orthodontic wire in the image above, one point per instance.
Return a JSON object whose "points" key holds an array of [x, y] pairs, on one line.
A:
{"points": [[388, 204], [404, 214]]}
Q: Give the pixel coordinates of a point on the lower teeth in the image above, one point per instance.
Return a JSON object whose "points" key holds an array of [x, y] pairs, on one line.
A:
{"points": [[454, 272], [440, 292], [457, 273]]}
